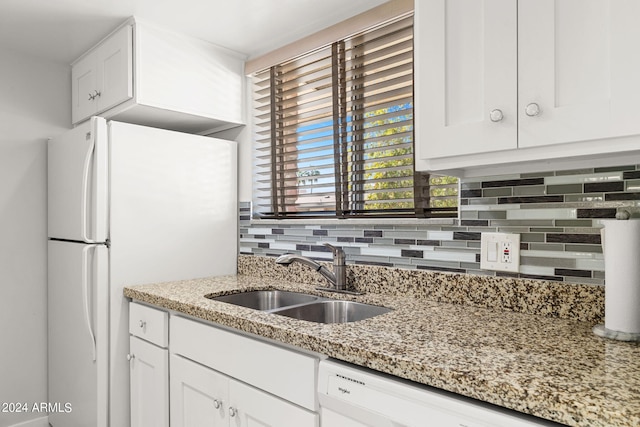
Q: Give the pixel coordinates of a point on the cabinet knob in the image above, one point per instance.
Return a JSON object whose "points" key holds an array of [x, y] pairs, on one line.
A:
{"points": [[496, 115], [130, 357], [232, 411], [143, 324], [532, 109], [217, 404], [91, 97]]}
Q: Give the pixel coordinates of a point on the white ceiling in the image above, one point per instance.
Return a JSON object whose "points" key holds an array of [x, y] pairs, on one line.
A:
{"points": [[61, 30]]}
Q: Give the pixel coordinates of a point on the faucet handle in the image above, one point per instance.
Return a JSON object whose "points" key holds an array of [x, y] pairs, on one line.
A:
{"points": [[334, 249], [338, 253]]}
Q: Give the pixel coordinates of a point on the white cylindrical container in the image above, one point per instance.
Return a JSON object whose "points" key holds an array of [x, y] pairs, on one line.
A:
{"points": [[621, 246]]}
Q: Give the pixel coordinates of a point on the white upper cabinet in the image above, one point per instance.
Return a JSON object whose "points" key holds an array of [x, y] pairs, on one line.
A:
{"points": [[150, 76], [526, 84], [465, 82], [578, 66], [84, 88], [103, 78]]}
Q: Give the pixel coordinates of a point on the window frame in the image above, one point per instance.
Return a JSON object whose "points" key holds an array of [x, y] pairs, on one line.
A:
{"points": [[421, 180]]}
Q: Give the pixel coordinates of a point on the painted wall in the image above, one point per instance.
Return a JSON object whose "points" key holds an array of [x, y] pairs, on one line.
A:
{"points": [[35, 103]]}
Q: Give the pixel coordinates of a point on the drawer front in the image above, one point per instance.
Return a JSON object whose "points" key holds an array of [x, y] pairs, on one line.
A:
{"points": [[279, 371], [149, 324]]}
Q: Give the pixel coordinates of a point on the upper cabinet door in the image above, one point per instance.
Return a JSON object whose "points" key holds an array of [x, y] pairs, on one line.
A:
{"points": [[578, 74], [115, 63], [465, 77], [83, 85], [103, 78]]}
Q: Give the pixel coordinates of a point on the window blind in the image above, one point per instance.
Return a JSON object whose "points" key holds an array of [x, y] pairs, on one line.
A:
{"points": [[334, 133]]}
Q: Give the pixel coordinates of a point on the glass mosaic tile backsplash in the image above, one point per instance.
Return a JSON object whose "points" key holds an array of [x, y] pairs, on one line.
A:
{"points": [[557, 215]]}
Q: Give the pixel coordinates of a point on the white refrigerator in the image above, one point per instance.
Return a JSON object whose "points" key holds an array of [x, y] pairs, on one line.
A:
{"points": [[127, 205]]}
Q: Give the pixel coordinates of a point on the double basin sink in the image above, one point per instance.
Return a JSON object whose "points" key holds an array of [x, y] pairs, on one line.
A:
{"points": [[303, 306]]}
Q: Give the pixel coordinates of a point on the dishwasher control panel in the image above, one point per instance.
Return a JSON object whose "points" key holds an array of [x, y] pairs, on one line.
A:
{"points": [[370, 398]]}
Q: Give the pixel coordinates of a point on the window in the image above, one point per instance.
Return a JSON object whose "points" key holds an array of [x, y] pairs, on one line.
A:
{"points": [[334, 133]]}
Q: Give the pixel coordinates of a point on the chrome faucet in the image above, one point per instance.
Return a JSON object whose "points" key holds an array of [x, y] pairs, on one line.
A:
{"points": [[337, 277]]}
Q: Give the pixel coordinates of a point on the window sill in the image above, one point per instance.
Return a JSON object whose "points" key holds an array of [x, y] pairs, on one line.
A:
{"points": [[358, 221]]}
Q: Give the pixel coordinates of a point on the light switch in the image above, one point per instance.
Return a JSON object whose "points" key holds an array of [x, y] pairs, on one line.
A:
{"points": [[492, 251], [500, 252]]}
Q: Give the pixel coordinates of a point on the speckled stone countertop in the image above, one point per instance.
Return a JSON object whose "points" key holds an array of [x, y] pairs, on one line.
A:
{"points": [[551, 367]]}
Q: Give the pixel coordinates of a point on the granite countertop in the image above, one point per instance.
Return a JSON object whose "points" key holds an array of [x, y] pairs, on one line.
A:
{"points": [[553, 368]]}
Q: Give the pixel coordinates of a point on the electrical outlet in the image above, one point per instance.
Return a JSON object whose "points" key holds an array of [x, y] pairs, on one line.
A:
{"points": [[506, 252], [500, 252]]}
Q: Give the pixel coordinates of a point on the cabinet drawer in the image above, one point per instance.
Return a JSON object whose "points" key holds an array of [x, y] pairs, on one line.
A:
{"points": [[282, 372], [149, 324]]}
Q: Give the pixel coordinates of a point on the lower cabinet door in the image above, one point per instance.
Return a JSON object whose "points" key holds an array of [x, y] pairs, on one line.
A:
{"points": [[149, 368], [252, 407], [199, 395], [202, 397]]}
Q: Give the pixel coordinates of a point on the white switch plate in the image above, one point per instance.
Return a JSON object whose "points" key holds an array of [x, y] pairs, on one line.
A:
{"points": [[500, 252]]}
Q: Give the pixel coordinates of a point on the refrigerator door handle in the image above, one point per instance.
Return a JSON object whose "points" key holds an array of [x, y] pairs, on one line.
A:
{"points": [[86, 296], [85, 191]]}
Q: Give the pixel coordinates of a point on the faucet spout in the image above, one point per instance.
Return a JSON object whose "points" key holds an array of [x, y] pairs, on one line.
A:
{"points": [[337, 277], [288, 259]]}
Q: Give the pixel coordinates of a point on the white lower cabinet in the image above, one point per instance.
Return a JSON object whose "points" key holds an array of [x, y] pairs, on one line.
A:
{"points": [[256, 408], [210, 376], [203, 397], [288, 374], [199, 395], [149, 368]]}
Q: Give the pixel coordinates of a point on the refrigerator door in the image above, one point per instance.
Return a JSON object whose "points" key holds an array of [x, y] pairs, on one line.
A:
{"points": [[173, 216], [77, 183], [78, 333]]}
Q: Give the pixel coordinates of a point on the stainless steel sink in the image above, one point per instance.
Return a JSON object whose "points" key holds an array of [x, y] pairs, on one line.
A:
{"points": [[333, 311], [266, 300], [303, 306]]}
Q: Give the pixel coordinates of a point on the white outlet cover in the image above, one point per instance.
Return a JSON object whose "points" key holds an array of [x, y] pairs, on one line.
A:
{"points": [[492, 242]]}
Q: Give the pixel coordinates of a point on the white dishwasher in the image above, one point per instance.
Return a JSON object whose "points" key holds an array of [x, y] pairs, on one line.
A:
{"points": [[352, 396]]}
